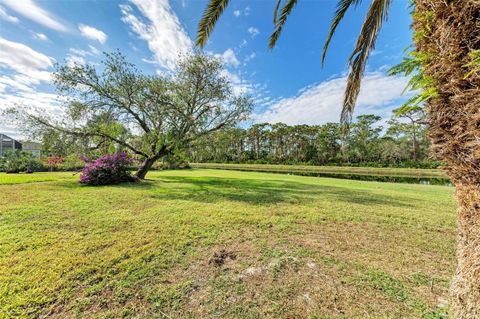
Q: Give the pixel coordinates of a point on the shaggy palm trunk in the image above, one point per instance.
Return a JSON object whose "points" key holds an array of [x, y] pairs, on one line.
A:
{"points": [[446, 31]]}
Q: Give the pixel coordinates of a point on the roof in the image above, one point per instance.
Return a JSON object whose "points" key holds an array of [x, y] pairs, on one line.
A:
{"points": [[6, 137]]}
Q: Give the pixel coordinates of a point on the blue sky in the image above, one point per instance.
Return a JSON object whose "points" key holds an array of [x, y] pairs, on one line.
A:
{"points": [[288, 83]]}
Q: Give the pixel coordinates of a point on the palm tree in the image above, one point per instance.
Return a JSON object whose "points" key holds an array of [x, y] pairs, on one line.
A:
{"points": [[447, 35]]}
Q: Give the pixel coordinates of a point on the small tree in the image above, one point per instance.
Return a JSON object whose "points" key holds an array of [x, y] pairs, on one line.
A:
{"points": [[150, 116], [53, 162]]}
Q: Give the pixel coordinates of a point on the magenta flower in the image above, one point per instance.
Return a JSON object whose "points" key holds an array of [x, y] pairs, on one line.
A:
{"points": [[106, 170]]}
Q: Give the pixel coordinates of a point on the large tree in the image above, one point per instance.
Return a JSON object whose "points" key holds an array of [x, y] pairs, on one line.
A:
{"points": [[447, 35], [412, 129], [150, 116]]}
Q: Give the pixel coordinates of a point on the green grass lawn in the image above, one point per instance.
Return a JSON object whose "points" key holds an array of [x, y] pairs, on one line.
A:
{"points": [[223, 244]]}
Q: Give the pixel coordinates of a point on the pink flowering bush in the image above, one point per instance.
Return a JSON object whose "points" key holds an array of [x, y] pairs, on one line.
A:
{"points": [[107, 170]]}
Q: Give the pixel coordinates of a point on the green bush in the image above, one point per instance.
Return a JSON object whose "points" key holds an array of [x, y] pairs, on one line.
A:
{"points": [[173, 161], [16, 161]]}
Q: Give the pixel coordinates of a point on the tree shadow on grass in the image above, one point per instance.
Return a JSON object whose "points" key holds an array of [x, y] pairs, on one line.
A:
{"points": [[256, 192]]}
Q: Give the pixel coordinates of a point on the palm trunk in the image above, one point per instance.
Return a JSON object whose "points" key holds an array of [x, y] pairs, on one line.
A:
{"points": [[465, 289], [447, 31]]}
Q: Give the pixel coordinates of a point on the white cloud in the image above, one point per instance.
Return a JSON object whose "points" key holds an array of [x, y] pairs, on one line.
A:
{"points": [[79, 52], [5, 16], [161, 29], [31, 10], [22, 69], [321, 103], [27, 68], [239, 85], [246, 12], [40, 36], [8, 82], [93, 50], [19, 57], [229, 58], [92, 33], [253, 31], [243, 43], [44, 101], [237, 13], [149, 61], [33, 77], [72, 60], [249, 57]]}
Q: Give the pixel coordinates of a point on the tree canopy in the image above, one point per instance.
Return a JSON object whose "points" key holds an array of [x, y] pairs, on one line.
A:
{"points": [[149, 115]]}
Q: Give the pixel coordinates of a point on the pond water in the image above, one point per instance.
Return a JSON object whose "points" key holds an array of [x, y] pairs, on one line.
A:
{"points": [[362, 177], [388, 179]]}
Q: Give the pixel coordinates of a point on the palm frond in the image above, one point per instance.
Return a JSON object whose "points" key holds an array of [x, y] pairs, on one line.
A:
{"points": [[377, 13], [342, 8], [210, 17], [280, 22], [412, 66], [275, 11]]}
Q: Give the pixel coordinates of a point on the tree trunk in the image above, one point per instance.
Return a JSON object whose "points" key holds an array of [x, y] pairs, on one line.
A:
{"points": [[414, 142], [465, 289], [148, 162], [446, 32], [146, 166]]}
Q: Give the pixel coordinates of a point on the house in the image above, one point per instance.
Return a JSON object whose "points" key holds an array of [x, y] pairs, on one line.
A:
{"points": [[32, 147], [7, 143]]}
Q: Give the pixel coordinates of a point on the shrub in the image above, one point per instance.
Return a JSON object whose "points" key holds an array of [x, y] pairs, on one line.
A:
{"points": [[16, 161], [107, 170], [72, 163], [53, 162], [178, 160]]}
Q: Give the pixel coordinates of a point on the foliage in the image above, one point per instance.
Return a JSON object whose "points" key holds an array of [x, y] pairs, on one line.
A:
{"points": [[176, 160], [114, 107], [366, 144], [53, 162], [107, 170], [16, 161], [413, 66], [73, 162], [474, 64]]}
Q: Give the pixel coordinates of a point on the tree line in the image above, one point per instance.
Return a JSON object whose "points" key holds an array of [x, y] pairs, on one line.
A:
{"points": [[367, 143]]}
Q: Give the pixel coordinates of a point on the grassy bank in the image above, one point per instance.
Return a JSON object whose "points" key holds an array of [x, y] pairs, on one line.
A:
{"points": [[223, 244], [412, 175]]}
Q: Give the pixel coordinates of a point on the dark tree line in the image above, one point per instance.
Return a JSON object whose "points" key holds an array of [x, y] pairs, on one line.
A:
{"points": [[400, 143]]}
